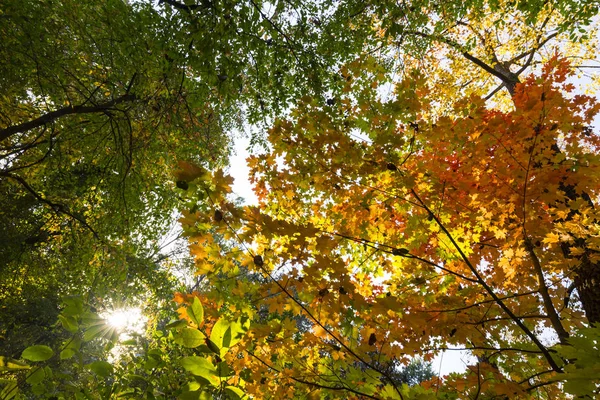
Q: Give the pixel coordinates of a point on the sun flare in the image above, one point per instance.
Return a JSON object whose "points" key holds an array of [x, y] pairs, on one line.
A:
{"points": [[127, 319]]}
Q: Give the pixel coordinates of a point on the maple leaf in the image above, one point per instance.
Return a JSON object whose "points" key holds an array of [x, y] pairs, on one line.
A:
{"points": [[189, 172]]}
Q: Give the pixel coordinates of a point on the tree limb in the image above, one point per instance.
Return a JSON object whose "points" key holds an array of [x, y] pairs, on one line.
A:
{"points": [[312, 383], [54, 115], [543, 290], [181, 6], [58, 208]]}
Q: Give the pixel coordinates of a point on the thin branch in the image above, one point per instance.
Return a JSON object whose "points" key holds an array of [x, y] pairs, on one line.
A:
{"points": [[543, 289], [478, 304], [493, 92], [481, 348], [529, 52], [490, 291], [312, 383], [58, 208], [278, 29], [181, 6], [536, 375], [584, 66], [505, 79], [329, 332], [394, 251]]}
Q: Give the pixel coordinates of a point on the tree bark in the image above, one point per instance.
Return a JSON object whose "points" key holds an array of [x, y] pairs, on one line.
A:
{"points": [[587, 283]]}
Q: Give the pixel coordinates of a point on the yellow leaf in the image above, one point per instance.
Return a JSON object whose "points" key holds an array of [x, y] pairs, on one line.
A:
{"points": [[551, 238], [576, 251], [319, 331]]}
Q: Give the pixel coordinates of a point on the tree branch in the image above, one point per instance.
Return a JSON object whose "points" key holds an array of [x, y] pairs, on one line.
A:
{"points": [[491, 292], [505, 79], [394, 251], [543, 290], [278, 29], [313, 383], [58, 208], [54, 115], [181, 6]]}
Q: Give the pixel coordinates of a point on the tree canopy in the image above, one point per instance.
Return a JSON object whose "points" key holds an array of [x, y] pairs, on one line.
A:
{"points": [[427, 176]]}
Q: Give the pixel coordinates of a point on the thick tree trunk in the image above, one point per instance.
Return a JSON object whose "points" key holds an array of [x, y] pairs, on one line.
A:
{"points": [[587, 283]]}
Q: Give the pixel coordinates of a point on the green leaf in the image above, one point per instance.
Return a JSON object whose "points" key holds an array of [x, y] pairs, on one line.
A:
{"points": [[180, 323], [206, 396], [73, 306], [226, 334], [151, 363], [212, 346], [10, 390], [90, 319], [579, 388], [221, 333], [196, 311], [189, 337], [67, 353], [37, 352], [235, 392], [69, 323], [95, 331], [201, 367], [224, 370], [190, 395], [155, 353], [101, 368], [193, 386], [36, 376], [39, 389]]}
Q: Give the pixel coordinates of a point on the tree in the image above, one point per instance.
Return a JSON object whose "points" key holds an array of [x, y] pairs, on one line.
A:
{"points": [[96, 110], [400, 213], [100, 101], [396, 231], [416, 235]]}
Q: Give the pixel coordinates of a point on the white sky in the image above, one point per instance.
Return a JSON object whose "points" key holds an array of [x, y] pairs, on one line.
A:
{"points": [[238, 169]]}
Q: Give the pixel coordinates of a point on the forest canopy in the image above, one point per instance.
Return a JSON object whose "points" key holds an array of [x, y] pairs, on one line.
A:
{"points": [[427, 175]]}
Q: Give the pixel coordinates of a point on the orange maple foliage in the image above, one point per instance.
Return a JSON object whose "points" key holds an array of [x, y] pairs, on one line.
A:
{"points": [[383, 234]]}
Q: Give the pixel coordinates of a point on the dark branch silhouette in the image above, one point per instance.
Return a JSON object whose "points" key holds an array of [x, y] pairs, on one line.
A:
{"points": [[51, 117]]}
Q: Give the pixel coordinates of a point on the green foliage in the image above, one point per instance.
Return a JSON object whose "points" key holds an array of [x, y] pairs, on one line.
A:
{"points": [[583, 369], [226, 334], [415, 372], [196, 312], [37, 352], [200, 366], [101, 368], [189, 337]]}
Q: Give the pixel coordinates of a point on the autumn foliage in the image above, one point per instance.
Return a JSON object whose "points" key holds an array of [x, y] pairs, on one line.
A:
{"points": [[385, 232]]}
